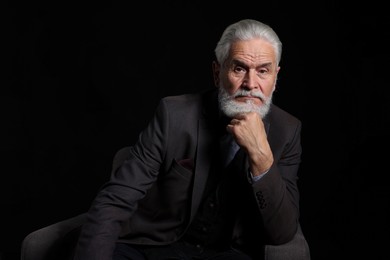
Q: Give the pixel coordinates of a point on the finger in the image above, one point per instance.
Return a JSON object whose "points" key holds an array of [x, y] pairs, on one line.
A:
{"points": [[234, 122]]}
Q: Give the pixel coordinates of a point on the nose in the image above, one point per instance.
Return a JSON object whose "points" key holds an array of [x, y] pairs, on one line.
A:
{"points": [[250, 80]]}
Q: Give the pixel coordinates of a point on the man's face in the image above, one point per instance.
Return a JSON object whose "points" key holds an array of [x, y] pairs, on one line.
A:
{"points": [[247, 81]]}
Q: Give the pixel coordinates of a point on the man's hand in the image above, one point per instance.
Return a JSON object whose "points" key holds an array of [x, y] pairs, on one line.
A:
{"points": [[249, 133]]}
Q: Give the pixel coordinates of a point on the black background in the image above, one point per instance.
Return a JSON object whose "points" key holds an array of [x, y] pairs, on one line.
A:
{"points": [[81, 79]]}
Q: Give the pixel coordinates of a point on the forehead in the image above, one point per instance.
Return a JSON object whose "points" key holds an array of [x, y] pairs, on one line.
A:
{"points": [[254, 50]]}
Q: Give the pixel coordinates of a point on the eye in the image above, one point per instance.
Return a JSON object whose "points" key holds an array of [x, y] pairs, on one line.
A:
{"points": [[263, 71], [239, 69]]}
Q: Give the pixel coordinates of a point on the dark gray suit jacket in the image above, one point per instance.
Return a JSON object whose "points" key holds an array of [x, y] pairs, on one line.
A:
{"points": [[154, 195]]}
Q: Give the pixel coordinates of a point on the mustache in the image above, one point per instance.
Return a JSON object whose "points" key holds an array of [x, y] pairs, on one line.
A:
{"points": [[249, 93]]}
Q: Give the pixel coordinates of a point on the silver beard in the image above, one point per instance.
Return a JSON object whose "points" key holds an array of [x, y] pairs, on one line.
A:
{"points": [[230, 107]]}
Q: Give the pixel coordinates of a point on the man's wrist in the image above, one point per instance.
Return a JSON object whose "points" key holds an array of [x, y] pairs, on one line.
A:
{"points": [[255, 178]]}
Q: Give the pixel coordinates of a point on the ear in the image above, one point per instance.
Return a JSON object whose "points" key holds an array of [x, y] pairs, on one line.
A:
{"points": [[216, 69], [276, 78]]}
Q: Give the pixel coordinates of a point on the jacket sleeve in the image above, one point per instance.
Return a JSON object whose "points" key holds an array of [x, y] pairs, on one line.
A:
{"points": [[276, 193], [118, 198]]}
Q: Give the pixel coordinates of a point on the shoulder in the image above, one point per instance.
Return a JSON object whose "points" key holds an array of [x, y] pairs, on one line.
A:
{"points": [[282, 124], [187, 103], [189, 97], [278, 115], [180, 104], [181, 99]]}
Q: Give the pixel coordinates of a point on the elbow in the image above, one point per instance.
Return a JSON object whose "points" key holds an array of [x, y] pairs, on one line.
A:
{"points": [[284, 235]]}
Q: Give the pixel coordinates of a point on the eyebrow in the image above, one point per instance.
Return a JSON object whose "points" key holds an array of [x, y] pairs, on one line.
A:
{"points": [[242, 64]]}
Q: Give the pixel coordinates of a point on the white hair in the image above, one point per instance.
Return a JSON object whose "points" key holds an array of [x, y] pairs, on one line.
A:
{"points": [[244, 30], [230, 107]]}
